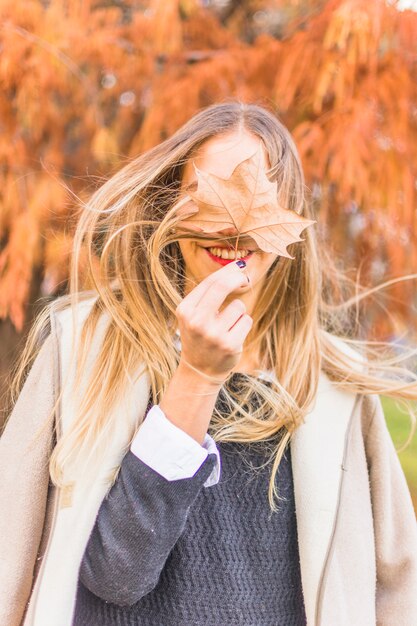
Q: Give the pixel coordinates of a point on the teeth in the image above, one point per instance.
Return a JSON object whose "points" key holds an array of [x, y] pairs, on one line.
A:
{"points": [[228, 254]]}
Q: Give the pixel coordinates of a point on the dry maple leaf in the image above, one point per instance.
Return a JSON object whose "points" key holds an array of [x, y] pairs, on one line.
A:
{"points": [[247, 200]]}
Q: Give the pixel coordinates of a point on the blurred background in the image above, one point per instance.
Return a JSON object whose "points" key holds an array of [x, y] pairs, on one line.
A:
{"points": [[87, 84]]}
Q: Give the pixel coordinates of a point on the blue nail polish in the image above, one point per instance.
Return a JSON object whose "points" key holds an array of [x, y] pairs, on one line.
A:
{"points": [[241, 263]]}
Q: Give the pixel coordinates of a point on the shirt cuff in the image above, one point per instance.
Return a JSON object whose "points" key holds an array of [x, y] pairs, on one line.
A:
{"points": [[170, 451]]}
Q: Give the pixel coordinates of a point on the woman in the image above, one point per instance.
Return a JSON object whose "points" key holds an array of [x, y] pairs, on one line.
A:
{"points": [[217, 453]]}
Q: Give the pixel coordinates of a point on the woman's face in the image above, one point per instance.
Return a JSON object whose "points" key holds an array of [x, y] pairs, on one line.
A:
{"points": [[220, 155]]}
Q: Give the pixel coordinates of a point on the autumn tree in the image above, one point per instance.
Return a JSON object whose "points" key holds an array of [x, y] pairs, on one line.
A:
{"points": [[87, 84]]}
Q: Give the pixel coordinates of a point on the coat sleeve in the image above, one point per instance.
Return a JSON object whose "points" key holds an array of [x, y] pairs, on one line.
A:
{"points": [[25, 448], [395, 528]]}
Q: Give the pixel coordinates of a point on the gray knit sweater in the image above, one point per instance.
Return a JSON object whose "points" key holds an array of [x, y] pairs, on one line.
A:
{"points": [[176, 553]]}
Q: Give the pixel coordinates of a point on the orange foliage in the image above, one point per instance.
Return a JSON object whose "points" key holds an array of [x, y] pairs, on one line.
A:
{"points": [[85, 84]]}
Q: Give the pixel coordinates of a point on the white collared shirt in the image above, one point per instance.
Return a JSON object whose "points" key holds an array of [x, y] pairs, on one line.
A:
{"points": [[171, 451]]}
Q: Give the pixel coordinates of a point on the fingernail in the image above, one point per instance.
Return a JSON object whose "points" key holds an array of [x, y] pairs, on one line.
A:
{"points": [[241, 263]]}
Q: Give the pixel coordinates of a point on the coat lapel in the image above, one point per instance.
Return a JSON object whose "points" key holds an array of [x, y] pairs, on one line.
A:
{"points": [[54, 595], [317, 450]]}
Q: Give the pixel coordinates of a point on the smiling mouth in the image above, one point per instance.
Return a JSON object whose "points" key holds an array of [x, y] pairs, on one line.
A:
{"points": [[227, 255]]}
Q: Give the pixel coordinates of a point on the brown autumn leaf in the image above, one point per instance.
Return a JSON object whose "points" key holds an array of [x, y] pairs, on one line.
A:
{"points": [[248, 201]]}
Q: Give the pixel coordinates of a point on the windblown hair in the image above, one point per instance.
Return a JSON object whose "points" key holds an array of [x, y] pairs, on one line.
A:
{"points": [[128, 229]]}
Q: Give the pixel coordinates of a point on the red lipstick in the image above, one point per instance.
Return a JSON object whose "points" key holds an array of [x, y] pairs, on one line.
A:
{"points": [[221, 261]]}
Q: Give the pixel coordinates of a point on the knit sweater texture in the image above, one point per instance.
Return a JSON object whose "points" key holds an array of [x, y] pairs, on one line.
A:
{"points": [[176, 553]]}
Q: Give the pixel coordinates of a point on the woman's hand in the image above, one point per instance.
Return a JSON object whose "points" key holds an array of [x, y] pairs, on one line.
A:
{"points": [[212, 342]]}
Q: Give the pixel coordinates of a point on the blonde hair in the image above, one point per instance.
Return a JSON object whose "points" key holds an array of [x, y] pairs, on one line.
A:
{"points": [[127, 230]]}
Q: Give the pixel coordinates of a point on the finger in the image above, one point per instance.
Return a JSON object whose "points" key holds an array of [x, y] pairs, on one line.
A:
{"points": [[215, 295], [240, 330], [223, 281], [230, 314]]}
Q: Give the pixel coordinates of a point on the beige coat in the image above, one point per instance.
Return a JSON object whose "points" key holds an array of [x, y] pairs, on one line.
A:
{"points": [[357, 531]]}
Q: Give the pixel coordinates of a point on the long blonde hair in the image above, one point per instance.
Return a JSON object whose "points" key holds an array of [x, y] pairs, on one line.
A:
{"points": [[127, 230]]}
